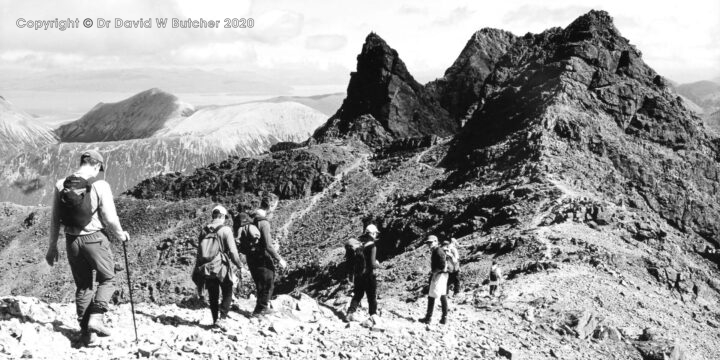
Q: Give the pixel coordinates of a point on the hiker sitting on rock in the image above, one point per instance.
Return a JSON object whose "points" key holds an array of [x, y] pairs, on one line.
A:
{"points": [[495, 277], [262, 264], [453, 265], [213, 271], [364, 264], [84, 205], [438, 284]]}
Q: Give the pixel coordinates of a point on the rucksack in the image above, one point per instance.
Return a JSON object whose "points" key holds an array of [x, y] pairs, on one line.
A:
{"points": [[248, 239], [357, 257], [451, 263], [212, 260], [75, 207]]}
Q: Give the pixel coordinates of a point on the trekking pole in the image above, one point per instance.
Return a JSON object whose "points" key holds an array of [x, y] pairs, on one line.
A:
{"points": [[132, 306]]}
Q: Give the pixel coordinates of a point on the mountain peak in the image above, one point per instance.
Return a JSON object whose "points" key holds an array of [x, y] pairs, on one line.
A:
{"points": [[387, 100], [594, 24]]}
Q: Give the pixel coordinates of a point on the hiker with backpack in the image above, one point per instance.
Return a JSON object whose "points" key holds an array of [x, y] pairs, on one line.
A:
{"points": [[213, 270], [453, 265], [261, 261], [438, 284], [84, 206], [361, 255], [495, 277]]}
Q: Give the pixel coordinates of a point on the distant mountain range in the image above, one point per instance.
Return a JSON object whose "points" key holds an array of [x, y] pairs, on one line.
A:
{"points": [[18, 131], [147, 134]]}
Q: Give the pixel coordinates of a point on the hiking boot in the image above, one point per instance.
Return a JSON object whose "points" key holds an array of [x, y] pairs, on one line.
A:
{"points": [[350, 317], [443, 320], [264, 312], [429, 312], [88, 339], [221, 324], [96, 325]]}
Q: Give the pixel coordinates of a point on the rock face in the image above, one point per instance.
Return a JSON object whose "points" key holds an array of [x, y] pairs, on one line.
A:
{"points": [[290, 174], [18, 132], [581, 104], [137, 117], [459, 89], [384, 101]]}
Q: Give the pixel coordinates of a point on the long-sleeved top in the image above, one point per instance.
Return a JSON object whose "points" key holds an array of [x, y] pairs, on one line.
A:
{"points": [[264, 226], [227, 241], [370, 254], [437, 260], [104, 214]]}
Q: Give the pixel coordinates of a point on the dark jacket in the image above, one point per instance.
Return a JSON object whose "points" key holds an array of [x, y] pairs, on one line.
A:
{"points": [[437, 260], [370, 252], [265, 258]]}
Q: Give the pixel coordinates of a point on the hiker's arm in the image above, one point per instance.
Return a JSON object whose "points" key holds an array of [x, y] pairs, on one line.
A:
{"points": [[349, 268], [232, 248], [373, 252], [52, 254], [106, 207], [269, 244]]}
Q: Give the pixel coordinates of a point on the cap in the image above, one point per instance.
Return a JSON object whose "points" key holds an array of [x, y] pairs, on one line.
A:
{"points": [[431, 239], [371, 229], [95, 155], [221, 209]]}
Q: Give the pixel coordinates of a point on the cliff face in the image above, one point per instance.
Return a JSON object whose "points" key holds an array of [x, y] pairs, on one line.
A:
{"points": [[383, 99], [458, 91]]}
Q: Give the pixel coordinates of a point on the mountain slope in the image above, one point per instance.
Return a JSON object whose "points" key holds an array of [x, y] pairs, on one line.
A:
{"points": [[137, 117], [327, 104], [704, 93], [169, 143], [459, 89], [384, 101], [18, 131]]}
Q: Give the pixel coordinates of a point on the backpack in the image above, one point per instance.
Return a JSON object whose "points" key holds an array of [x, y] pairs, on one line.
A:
{"points": [[358, 260], [212, 260], [75, 207], [451, 262], [248, 239]]}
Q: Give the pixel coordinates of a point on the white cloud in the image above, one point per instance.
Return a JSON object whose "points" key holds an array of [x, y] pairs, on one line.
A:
{"points": [[680, 40], [328, 42]]}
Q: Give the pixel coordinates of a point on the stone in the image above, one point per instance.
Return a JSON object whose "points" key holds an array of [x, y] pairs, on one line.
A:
{"points": [[508, 352]]}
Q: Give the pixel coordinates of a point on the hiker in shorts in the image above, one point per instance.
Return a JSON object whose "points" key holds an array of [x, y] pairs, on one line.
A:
{"points": [[438, 284], [262, 264], [495, 277], [453, 265], [84, 206], [213, 269], [364, 265]]}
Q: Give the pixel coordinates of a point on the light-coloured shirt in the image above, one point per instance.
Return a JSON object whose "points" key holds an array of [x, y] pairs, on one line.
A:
{"points": [[103, 206]]}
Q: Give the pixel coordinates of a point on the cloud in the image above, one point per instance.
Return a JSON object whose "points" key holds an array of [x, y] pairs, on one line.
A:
{"points": [[412, 10], [327, 42], [277, 26], [456, 15], [215, 54], [533, 15]]}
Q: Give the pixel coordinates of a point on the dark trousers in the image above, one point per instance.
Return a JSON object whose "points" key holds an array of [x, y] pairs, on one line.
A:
{"points": [[85, 254], [454, 279], [365, 284], [213, 287], [264, 279]]}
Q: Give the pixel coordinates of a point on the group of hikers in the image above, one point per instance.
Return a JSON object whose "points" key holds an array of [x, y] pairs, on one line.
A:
{"points": [[84, 205]]}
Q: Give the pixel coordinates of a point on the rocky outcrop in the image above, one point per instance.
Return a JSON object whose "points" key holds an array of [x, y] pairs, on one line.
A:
{"points": [[581, 104], [385, 102], [458, 91], [290, 174], [137, 117]]}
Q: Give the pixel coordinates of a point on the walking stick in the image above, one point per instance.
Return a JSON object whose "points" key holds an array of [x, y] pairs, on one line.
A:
{"points": [[132, 306]]}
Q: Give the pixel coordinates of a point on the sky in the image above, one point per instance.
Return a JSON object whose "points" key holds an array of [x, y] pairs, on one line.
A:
{"points": [[315, 43]]}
